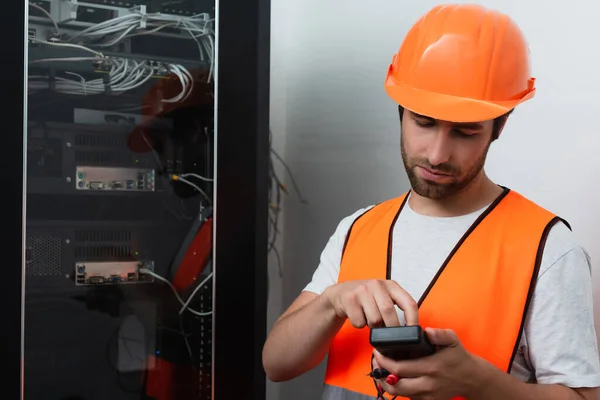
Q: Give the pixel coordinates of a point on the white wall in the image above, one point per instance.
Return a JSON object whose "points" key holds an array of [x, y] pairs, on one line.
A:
{"points": [[554, 140], [341, 131], [279, 41]]}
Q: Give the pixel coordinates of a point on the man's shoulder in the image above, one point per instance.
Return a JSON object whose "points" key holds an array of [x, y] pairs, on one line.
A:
{"points": [[347, 221], [524, 201], [560, 240]]}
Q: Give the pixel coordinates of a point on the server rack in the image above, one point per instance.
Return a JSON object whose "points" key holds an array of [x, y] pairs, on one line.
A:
{"points": [[100, 227]]}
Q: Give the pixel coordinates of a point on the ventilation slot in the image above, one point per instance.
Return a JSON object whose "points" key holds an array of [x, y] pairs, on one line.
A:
{"points": [[101, 141], [102, 158], [102, 236], [102, 252], [103, 245], [43, 256]]}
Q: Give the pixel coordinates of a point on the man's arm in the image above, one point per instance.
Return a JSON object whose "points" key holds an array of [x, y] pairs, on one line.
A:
{"points": [[300, 338], [498, 385]]}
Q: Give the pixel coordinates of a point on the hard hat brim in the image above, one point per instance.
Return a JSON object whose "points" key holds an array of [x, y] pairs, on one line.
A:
{"points": [[450, 108]]}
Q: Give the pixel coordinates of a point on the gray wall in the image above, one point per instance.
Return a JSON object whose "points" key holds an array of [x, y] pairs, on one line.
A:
{"points": [[339, 132]]}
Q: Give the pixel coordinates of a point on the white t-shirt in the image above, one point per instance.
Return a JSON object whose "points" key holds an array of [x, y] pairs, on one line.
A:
{"points": [[558, 345]]}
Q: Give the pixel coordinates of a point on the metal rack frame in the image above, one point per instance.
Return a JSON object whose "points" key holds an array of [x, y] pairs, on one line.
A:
{"points": [[241, 198], [240, 241]]}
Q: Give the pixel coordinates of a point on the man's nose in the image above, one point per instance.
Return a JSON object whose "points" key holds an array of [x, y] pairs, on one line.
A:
{"points": [[439, 149]]}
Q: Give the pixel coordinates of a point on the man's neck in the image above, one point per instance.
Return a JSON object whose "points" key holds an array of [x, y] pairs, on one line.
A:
{"points": [[481, 192]]}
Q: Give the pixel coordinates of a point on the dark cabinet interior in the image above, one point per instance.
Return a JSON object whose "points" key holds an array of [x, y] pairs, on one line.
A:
{"points": [[136, 164]]}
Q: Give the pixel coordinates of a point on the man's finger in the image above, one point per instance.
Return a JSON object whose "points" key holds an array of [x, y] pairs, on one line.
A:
{"points": [[408, 387], [355, 313], [386, 308], [442, 337], [402, 369], [371, 310], [374, 363], [405, 302]]}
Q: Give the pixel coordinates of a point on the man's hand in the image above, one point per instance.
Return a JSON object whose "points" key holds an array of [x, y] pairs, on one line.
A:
{"points": [[371, 303], [448, 373], [453, 372]]}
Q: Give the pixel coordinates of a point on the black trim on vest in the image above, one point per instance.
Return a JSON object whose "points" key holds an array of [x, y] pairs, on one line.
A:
{"points": [[391, 229], [534, 276], [350, 231], [492, 206], [461, 241], [388, 264]]}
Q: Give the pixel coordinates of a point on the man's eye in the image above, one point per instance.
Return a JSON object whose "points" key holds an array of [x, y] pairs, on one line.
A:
{"points": [[424, 124], [464, 135]]}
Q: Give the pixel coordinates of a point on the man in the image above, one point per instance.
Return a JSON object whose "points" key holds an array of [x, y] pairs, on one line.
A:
{"points": [[499, 283]]}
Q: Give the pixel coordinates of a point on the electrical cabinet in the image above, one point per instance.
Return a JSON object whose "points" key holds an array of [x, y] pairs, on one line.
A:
{"points": [[135, 199]]}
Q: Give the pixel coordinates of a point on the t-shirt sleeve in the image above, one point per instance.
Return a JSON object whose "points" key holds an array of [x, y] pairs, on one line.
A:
{"points": [[328, 269], [561, 339]]}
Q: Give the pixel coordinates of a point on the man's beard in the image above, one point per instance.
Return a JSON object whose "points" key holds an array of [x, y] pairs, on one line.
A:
{"points": [[435, 190]]}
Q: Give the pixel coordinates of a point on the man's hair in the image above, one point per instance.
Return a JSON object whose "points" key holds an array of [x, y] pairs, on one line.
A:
{"points": [[498, 122]]}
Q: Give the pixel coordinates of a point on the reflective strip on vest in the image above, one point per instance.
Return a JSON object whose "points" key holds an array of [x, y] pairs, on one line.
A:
{"points": [[338, 393], [490, 274]]}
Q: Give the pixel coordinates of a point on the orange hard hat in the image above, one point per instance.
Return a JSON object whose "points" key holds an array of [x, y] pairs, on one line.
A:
{"points": [[461, 63]]}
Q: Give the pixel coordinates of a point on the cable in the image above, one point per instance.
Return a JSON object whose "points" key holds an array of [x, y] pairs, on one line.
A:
{"points": [[184, 304], [115, 335], [276, 187], [73, 46], [202, 178], [122, 75], [48, 15], [63, 59], [187, 342], [380, 373], [291, 176], [178, 178], [110, 32]]}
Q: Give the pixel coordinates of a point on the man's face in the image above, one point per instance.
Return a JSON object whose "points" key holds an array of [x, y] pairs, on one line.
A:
{"points": [[442, 158]]}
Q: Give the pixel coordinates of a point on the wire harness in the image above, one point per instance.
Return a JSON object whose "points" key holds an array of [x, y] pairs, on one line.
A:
{"points": [[123, 73], [109, 33]]}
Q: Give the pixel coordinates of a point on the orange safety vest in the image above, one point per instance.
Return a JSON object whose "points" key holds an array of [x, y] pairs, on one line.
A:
{"points": [[490, 274]]}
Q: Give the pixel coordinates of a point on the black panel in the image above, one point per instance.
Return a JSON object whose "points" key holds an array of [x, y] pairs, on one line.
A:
{"points": [[54, 150], [12, 28], [89, 342], [241, 214], [103, 206]]}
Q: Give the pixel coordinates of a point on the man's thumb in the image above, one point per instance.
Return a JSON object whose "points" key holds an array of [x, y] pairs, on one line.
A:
{"points": [[442, 337]]}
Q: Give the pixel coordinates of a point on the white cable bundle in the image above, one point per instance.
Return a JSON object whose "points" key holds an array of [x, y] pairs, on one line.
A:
{"points": [[124, 74], [109, 33]]}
